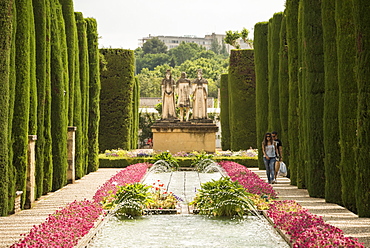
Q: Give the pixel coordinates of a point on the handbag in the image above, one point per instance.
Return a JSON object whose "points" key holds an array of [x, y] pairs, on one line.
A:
{"points": [[283, 170]]}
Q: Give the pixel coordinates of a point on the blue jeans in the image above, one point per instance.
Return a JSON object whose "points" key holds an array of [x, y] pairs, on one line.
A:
{"points": [[270, 168]]}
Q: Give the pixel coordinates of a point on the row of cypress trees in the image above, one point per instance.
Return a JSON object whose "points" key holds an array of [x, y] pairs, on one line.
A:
{"points": [[50, 79], [316, 56]]}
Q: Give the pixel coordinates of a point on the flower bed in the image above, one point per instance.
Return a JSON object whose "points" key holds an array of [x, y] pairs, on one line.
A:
{"points": [[306, 229], [67, 226]]}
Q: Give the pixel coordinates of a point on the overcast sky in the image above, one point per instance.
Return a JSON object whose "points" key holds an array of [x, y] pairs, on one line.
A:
{"points": [[121, 23]]}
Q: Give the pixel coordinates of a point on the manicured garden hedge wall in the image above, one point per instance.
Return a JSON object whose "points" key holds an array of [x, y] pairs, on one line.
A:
{"points": [[362, 23], [224, 114], [242, 95], [116, 99], [183, 161], [291, 14], [333, 192], [262, 83], [5, 52]]}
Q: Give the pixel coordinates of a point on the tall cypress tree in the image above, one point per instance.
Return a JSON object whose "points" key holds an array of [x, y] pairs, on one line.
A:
{"points": [[58, 89], [273, 68], [347, 99], [5, 52], [41, 29], [262, 83], [224, 112], [333, 186], [293, 67], [22, 95], [33, 87], [362, 24], [48, 153], [302, 155], [284, 90], [71, 38], [84, 82], [242, 94], [315, 83], [94, 94]]}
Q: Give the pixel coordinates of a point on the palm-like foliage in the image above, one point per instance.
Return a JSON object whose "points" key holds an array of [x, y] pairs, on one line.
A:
{"points": [[223, 198]]}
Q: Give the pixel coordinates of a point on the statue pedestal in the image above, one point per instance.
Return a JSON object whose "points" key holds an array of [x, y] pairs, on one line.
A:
{"points": [[187, 136]]}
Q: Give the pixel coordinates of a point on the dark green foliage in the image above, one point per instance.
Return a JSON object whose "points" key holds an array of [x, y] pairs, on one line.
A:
{"points": [[77, 122], [58, 106], [71, 38], [33, 87], [362, 24], [273, 72], [5, 51], [135, 113], [116, 99], [84, 82], [331, 125], [47, 153], [42, 44], [22, 95], [224, 113], [242, 95], [154, 46], [314, 81], [12, 83], [262, 83], [284, 90], [346, 46], [291, 12], [94, 94], [302, 163]]}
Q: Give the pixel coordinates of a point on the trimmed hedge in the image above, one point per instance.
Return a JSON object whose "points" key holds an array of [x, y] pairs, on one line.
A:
{"points": [[262, 82], [22, 95], [362, 21], [114, 162], [346, 47], [58, 105], [333, 192], [291, 12], [83, 59], [273, 72], [94, 95], [224, 113], [315, 84], [284, 90], [116, 99], [5, 52], [242, 94]]}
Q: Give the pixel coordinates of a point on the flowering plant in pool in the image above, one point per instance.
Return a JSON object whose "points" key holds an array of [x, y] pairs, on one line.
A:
{"points": [[160, 198]]}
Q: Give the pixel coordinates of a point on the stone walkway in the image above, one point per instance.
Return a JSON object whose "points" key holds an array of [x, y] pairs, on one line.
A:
{"points": [[12, 226]]}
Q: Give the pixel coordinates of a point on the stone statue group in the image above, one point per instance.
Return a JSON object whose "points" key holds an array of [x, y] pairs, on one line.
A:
{"points": [[189, 94]]}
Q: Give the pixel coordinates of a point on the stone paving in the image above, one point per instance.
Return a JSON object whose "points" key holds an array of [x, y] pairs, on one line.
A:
{"points": [[12, 226]]}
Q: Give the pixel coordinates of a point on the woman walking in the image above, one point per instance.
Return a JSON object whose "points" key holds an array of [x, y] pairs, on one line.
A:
{"points": [[269, 156]]}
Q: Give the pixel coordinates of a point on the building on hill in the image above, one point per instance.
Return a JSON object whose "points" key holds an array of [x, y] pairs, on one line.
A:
{"points": [[174, 41]]}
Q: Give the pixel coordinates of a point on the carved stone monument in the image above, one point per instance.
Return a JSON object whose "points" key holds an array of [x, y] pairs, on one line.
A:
{"points": [[175, 135]]}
